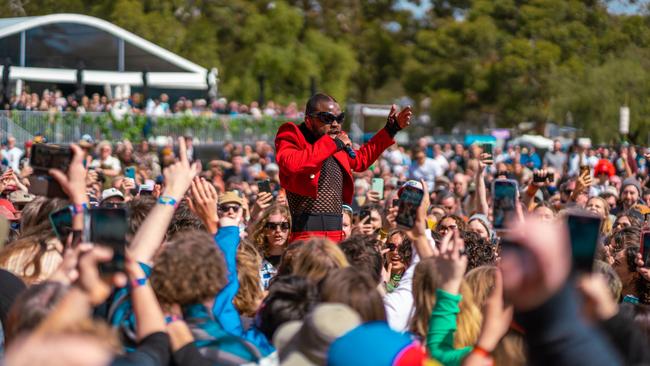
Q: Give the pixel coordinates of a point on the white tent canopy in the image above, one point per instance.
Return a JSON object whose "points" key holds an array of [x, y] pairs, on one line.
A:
{"points": [[52, 48]]}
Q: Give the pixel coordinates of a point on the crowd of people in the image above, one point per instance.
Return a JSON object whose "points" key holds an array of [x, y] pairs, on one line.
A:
{"points": [[214, 275], [161, 105]]}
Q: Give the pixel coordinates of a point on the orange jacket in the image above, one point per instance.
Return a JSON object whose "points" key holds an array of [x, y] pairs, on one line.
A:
{"points": [[300, 161]]}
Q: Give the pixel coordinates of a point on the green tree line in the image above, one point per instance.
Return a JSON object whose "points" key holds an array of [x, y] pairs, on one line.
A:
{"points": [[477, 62]]}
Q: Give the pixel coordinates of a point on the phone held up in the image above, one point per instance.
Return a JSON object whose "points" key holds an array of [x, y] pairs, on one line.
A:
{"points": [[108, 227], [504, 199], [43, 158], [584, 232], [408, 204]]}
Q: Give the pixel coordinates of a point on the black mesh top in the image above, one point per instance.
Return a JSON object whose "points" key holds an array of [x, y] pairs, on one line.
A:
{"points": [[330, 192]]}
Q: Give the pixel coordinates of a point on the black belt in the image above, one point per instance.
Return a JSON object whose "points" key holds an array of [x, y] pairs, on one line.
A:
{"points": [[317, 222]]}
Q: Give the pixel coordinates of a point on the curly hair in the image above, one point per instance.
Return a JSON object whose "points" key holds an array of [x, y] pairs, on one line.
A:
{"points": [[361, 253], [316, 257], [250, 291], [479, 251], [462, 225], [624, 238], [189, 270], [259, 236]]}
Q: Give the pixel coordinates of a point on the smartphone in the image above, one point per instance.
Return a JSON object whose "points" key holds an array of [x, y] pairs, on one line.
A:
{"points": [[487, 149], [584, 231], [129, 172], [584, 170], [48, 156], [264, 186], [395, 202], [644, 249], [378, 186], [363, 214], [539, 178], [108, 227], [504, 199], [43, 158], [61, 221], [409, 201]]}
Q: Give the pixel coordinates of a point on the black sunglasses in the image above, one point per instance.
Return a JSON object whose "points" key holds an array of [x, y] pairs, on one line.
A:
{"points": [[329, 118], [226, 208], [275, 225]]}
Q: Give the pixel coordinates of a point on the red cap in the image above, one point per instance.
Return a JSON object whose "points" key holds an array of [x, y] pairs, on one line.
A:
{"points": [[8, 205], [604, 166], [28, 144]]}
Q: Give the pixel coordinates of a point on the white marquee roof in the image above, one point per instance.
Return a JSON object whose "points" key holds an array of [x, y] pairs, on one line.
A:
{"points": [[193, 78]]}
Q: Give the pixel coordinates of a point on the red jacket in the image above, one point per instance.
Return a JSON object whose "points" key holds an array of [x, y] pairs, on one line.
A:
{"points": [[300, 161]]}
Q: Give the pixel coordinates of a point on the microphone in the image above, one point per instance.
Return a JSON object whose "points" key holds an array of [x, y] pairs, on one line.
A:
{"points": [[350, 152]]}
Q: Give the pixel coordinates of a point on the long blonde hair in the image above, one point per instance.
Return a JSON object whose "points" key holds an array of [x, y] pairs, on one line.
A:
{"points": [[259, 236], [511, 349], [606, 224], [250, 293], [425, 282]]}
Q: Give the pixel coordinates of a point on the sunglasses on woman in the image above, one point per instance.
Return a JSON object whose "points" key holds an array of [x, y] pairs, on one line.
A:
{"points": [[284, 226], [329, 118], [227, 208]]}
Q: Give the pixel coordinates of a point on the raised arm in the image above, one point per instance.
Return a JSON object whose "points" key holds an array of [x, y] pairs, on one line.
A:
{"points": [[149, 237], [481, 193]]}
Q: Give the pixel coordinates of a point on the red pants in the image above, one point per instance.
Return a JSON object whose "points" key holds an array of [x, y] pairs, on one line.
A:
{"points": [[335, 236]]}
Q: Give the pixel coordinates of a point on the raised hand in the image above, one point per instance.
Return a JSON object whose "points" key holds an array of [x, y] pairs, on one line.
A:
{"points": [[403, 118], [537, 262], [203, 202], [264, 201], [451, 263], [74, 183], [97, 288], [179, 176]]}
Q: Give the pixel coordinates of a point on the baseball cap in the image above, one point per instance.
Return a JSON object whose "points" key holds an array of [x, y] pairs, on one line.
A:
{"points": [[374, 343], [21, 197], [231, 197], [147, 186], [307, 342], [410, 183], [111, 192]]}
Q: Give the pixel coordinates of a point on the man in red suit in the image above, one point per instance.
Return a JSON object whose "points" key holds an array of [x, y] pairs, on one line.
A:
{"points": [[316, 165]]}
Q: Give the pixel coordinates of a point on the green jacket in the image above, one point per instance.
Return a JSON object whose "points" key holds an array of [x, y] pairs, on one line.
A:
{"points": [[440, 339]]}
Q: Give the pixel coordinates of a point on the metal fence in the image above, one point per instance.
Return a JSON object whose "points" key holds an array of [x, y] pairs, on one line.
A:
{"points": [[66, 127]]}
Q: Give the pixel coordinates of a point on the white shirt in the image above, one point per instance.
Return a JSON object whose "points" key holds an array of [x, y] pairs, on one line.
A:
{"points": [[426, 171], [110, 162], [13, 156], [399, 303]]}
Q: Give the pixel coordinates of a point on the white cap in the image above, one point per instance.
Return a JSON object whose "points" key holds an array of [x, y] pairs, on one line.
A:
{"points": [[111, 192], [147, 185]]}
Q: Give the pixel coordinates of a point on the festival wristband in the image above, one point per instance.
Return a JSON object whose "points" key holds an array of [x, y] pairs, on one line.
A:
{"points": [[168, 200], [138, 282], [481, 351], [172, 318], [78, 209]]}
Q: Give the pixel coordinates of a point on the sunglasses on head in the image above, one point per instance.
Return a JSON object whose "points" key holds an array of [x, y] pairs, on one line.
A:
{"points": [[275, 225], [329, 118], [227, 208]]}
